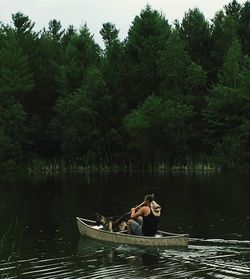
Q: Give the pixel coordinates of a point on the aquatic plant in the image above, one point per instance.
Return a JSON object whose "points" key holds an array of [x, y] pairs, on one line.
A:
{"points": [[9, 246]]}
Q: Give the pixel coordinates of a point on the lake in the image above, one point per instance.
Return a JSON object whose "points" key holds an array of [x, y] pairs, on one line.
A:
{"points": [[40, 212]]}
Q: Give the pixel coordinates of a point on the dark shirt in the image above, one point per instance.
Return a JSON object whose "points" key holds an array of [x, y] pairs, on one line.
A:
{"points": [[150, 224]]}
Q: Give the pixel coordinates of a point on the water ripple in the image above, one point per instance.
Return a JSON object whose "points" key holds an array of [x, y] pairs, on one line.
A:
{"points": [[202, 259]]}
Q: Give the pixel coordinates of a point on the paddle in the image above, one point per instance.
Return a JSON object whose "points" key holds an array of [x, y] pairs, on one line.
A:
{"points": [[126, 214]]}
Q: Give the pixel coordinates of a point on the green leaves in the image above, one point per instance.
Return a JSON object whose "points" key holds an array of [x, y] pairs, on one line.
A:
{"points": [[231, 69], [15, 77], [160, 121], [74, 124], [16, 83], [172, 65], [227, 125]]}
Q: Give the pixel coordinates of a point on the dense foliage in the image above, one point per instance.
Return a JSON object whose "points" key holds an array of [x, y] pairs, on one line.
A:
{"points": [[167, 94]]}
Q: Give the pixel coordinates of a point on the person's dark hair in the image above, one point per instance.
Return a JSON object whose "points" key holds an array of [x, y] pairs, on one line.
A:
{"points": [[149, 198]]}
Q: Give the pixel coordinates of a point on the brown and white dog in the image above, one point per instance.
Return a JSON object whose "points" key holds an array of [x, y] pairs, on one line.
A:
{"points": [[109, 224]]}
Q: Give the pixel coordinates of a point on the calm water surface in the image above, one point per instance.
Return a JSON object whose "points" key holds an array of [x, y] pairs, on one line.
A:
{"points": [[213, 209]]}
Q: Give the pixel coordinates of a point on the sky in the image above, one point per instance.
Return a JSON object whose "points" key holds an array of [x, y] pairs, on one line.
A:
{"points": [[96, 12]]}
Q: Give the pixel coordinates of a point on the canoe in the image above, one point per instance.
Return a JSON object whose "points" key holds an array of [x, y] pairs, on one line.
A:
{"points": [[162, 239]]}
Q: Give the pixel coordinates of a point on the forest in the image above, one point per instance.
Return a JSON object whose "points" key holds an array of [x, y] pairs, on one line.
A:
{"points": [[167, 95]]}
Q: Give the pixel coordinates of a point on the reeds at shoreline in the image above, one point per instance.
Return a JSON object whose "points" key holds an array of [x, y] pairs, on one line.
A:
{"points": [[9, 246], [63, 166]]}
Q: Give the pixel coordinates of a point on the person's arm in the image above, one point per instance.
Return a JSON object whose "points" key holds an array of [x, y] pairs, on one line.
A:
{"points": [[140, 212]]}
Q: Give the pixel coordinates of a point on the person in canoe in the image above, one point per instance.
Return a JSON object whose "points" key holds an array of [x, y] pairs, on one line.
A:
{"points": [[144, 221]]}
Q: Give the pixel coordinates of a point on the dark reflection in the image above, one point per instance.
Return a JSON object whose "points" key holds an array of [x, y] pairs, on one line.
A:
{"points": [[86, 244], [100, 254], [149, 259]]}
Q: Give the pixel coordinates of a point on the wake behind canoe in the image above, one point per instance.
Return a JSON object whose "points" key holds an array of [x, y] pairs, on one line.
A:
{"points": [[88, 228]]}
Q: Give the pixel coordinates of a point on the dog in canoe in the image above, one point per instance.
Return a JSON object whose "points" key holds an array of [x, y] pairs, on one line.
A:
{"points": [[110, 225]]}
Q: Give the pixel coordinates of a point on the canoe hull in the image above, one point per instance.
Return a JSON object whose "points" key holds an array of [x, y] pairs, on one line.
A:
{"points": [[170, 241]]}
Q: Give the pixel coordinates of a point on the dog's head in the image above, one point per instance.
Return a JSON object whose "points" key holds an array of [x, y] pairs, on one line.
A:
{"points": [[105, 221]]}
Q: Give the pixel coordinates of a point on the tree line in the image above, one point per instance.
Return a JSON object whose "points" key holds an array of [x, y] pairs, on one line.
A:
{"points": [[171, 94]]}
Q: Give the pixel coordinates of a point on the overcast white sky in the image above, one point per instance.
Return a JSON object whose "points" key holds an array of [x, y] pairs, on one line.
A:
{"points": [[96, 12]]}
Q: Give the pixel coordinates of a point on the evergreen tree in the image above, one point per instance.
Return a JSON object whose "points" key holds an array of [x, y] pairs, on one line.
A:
{"points": [[244, 27], [55, 30], [67, 35], [224, 32], [15, 85], [196, 35], [172, 64], [15, 76], [231, 69], [81, 53], [146, 38]]}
